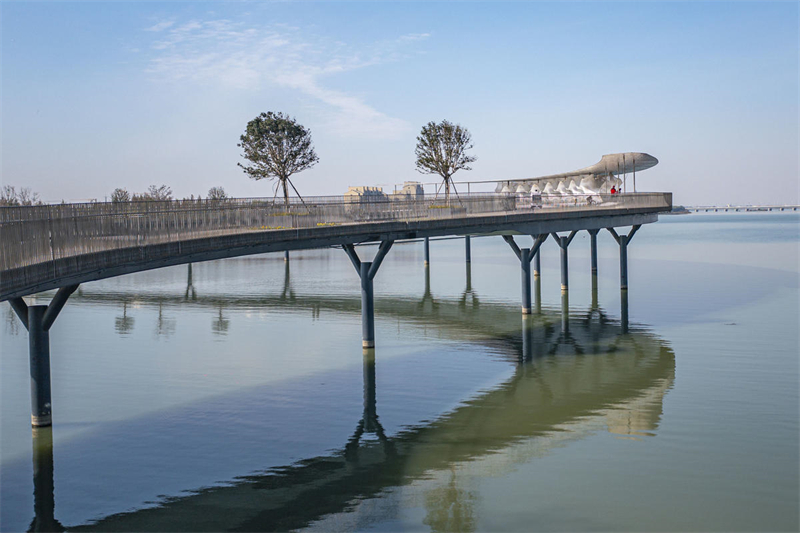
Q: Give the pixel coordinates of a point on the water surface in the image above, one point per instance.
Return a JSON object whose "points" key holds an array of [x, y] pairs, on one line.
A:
{"points": [[235, 395]]}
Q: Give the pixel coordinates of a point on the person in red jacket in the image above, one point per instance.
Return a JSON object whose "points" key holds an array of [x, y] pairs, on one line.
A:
{"points": [[613, 190]]}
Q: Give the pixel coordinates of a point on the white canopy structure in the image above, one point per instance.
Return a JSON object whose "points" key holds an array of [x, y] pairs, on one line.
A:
{"points": [[609, 172]]}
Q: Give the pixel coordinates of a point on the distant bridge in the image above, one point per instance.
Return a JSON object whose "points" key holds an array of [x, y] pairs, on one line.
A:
{"points": [[735, 208]]}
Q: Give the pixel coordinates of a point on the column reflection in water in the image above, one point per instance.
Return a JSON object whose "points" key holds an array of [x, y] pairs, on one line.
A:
{"points": [[527, 337], [427, 302], [369, 422], [191, 293], [287, 293], [469, 292], [43, 489]]}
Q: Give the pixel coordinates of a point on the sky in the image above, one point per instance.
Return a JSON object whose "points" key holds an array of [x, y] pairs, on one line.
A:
{"points": [[100, 95]]}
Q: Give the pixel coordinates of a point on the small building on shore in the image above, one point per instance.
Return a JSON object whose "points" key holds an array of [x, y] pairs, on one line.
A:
{"points": [[365, 194]]}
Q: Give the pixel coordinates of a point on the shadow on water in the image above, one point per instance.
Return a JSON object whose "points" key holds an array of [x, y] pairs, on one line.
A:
{"points": [[573, 374]]}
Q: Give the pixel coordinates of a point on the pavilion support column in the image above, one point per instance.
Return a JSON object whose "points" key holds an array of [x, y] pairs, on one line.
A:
{"points": [[563, 243], [366, 272], [623, 241], [38, 319], [525, 255]]}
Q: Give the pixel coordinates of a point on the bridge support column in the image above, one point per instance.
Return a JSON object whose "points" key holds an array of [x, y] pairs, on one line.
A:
{"points": [[366, 271], [623, 241], [563, 243], [427, 250], [38, 319], [593, 238], [537, 265], [286, 255], [467, 249], [525, 255]]}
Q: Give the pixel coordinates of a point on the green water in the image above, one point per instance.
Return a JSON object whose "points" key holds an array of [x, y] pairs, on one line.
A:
{"points": [[237, 397]]}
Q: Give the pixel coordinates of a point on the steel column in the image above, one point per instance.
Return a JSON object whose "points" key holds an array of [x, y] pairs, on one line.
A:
{"points": [[286, 255], [537, 266], [525, 271], [38, 319], [563, 243], [525, 255], [623, 262], [366, 271], [593, 239], [39, 355], [427, 248], [565, 312], [367, 308], [623, 241], [467, 249]]}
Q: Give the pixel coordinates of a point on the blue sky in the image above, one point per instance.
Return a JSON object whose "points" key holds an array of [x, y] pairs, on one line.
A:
{"points": [[100, 95]]}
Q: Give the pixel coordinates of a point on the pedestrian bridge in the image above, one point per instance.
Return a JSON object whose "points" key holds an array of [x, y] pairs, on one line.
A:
{"points": [[61, 246], [52, 246]]}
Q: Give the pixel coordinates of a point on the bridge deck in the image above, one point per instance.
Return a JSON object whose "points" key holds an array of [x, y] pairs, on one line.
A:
{"points": [[46, 247]]}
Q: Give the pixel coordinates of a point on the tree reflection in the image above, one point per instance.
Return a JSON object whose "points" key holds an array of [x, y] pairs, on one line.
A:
{"points": [[221, 324], [449, 507], [164, 325], [124, 324]]}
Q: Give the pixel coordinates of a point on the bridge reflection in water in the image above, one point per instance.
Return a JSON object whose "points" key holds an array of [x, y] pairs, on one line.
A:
{"points": [[574, 375]]}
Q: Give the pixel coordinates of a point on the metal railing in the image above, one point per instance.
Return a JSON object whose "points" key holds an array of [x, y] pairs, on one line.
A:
{"points": [[36, 234]]}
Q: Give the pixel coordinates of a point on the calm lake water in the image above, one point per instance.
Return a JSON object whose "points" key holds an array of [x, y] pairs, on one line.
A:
{"points": [[237, 397]]}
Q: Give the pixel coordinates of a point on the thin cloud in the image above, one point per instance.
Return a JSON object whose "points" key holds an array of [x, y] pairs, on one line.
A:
{"points": [[243, 57], [160, 26]]}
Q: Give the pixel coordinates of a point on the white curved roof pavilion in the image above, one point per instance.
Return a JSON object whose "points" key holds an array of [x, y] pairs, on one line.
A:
{"points": [[609, 172]]}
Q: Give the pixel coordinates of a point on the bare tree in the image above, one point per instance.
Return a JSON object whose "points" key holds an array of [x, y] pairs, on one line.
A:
{"points": [[158, 193], [9, 196], [441, 149], [277, 147], [217, 193], [120, 196]]}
